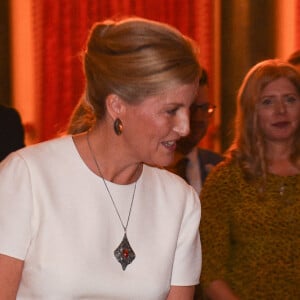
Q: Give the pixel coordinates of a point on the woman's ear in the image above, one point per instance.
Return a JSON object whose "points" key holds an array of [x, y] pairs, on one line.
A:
{"points": [[115, 106]]}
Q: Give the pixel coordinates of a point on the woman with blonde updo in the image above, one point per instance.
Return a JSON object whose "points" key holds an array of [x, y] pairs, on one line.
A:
{"points": [[94, 215]]}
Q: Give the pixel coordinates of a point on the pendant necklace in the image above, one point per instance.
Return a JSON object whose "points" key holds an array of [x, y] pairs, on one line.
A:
{"points": [[282, 189], [123, 253]]}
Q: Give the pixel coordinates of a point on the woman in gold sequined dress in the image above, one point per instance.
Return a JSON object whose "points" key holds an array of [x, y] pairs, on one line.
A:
{"points": [[250, 227]]}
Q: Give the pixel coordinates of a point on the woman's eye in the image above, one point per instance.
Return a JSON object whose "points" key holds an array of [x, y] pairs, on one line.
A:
{"points": [[172, 111], [290, 99], [266, 101]]}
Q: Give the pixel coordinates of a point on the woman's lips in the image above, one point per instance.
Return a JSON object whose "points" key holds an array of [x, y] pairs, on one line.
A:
{"points": [[170, 145], [281, 124]]}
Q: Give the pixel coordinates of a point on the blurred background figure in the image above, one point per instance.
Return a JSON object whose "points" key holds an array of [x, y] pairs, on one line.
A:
{"points": [[294, 59], [250, 228], [191, 162], [11, 131]]}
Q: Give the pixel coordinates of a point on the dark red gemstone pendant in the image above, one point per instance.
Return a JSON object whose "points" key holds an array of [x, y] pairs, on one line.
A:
{"points": [[124, 253]]}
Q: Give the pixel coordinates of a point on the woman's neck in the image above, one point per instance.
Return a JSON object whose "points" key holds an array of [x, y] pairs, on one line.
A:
{"points": [[283, 168], [102, 153], [279, 163]]}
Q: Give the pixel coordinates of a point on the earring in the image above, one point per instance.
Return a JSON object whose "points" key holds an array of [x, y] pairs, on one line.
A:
{"points": [[118, 126]]}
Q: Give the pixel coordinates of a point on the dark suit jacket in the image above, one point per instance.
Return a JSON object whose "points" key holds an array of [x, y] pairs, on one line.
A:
{"points": [[11, 131], [207, 159]]}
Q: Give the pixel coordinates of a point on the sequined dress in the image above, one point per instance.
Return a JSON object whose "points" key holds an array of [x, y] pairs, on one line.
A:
{"points": [[251, 241]]}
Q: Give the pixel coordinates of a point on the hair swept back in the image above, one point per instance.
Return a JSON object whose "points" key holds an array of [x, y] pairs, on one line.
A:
{"points": [[135, 58], [248, 148]]}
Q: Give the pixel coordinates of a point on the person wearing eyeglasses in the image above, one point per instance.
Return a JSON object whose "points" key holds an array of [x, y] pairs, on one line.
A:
{"points": [[192, 162]]}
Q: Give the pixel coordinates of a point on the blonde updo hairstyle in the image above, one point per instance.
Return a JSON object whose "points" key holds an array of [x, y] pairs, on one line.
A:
{"points": [[135, 58], [248, 148]]}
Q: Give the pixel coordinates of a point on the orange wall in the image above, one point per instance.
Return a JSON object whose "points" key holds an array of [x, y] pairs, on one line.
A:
{"points": [[24, 76], [286, 27]]}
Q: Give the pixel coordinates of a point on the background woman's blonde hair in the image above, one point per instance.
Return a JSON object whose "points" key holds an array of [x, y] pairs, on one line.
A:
{"points": [[248, 148]]}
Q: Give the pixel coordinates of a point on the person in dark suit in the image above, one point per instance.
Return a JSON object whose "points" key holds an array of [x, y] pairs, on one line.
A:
{"points": [[11, 131], [191, 162]]}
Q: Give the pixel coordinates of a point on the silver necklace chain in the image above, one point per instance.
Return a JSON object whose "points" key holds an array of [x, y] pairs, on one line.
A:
{"points": [[108, 191]]}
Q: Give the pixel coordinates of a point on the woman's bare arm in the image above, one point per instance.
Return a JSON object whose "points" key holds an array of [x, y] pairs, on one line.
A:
{"points": [[220, 290], [10, 276], [181, 293]]}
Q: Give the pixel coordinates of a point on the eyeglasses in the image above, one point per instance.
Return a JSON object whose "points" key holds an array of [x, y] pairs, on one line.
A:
{"points": [[206, 109]]}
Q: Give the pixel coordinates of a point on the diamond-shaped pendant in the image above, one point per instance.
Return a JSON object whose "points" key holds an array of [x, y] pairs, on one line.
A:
{"points": [[124, 253]]}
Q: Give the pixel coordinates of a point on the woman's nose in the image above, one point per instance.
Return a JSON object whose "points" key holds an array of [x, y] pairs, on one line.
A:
{"points": [[182, 126], [281, 106]]}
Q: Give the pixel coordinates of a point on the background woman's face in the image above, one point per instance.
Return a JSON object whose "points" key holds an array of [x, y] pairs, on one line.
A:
{"points": [[279, 110]]}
